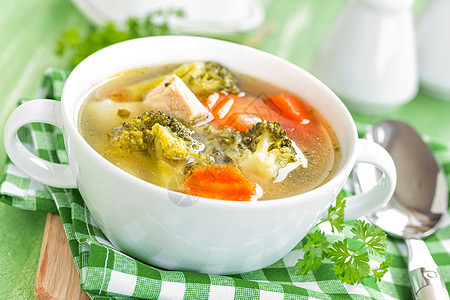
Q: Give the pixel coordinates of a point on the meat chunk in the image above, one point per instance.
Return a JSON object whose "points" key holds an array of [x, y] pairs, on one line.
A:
{"points": [[175, 98]]}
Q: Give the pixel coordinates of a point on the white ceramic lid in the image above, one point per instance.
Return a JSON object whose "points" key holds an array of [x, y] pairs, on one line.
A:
{"points": [[201, 16]]}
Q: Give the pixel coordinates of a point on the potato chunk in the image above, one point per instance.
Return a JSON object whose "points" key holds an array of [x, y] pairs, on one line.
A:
{"points": [[176, 99]]}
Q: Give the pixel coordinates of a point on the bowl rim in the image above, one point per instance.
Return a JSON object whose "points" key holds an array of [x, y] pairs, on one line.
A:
{"points": [[336, 181]]}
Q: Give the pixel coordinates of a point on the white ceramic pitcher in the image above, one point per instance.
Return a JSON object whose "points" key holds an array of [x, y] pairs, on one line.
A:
{"points": [[369, 55]]}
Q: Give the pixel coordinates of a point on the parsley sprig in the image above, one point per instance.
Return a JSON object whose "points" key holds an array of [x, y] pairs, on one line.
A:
{"points": [[351, 263], [77, 44]]}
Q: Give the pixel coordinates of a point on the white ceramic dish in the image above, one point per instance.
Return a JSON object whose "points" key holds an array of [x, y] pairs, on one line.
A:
{"points": [[201, 16], [175, 230]]}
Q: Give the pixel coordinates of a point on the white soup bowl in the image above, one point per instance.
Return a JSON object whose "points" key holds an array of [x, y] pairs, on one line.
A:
{"points": [[173, 230]]}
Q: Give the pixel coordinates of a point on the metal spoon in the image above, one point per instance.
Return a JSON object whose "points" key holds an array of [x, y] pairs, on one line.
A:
{"points": [[418, 205]]}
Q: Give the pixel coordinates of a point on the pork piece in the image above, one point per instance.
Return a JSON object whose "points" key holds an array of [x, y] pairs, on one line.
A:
{"points": [[176, 99]]}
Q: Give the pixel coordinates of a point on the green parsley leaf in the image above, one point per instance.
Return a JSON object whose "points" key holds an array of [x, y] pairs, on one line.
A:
{"points": [[336, 214], [314, 251], [372, 236], [350, 266], [379, 272]]}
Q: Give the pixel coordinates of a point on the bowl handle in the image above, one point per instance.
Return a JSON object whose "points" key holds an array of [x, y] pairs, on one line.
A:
{"points": [[36, 111], [368, 202]]}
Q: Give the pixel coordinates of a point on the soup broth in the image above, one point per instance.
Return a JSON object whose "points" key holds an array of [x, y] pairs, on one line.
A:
{"points": [[113, 103]]}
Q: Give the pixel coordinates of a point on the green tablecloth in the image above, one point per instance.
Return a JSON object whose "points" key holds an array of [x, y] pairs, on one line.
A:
{"points": [[27, 33], [107, 272]]}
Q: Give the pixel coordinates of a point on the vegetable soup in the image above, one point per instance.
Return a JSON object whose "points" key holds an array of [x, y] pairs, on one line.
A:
{"points": [[199, 128]]}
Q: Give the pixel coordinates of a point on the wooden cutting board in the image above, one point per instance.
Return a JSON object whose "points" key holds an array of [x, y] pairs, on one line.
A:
{"points": [[56, 277]]}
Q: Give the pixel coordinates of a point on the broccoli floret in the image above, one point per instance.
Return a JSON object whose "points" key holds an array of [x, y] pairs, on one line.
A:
{"points": [[136, 136], [174, 157], [205, 78], [268, 150], [174, 147], [222, 144], [272, 133], [167, 145], [260, 151]]}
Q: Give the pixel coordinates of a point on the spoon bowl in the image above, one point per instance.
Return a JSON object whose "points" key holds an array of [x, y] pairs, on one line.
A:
{"points": [[418, 205]]}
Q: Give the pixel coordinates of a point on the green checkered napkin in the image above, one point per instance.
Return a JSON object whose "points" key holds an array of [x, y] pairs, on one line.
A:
{"points": [[105, 272]]}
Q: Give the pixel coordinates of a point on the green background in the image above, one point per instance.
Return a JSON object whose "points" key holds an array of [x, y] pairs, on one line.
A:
{"points": [[28, 30]]}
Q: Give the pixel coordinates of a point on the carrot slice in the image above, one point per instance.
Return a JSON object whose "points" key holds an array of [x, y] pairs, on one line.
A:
{"points": [[220, 182], [222, 108], [289, 107], [239, 112]]}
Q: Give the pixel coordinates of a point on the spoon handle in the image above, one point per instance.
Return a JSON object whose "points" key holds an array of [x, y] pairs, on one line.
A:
{"points": [[426, 281], [432, 292]]}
